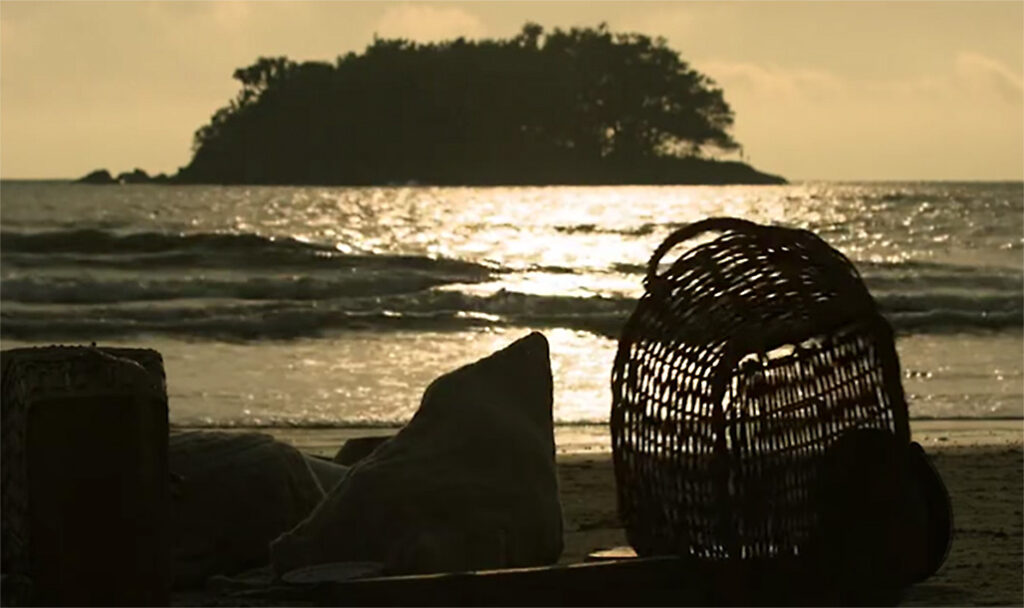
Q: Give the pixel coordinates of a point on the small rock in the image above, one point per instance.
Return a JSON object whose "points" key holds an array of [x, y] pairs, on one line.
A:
{"points": [[100, 176], [138, 176]]}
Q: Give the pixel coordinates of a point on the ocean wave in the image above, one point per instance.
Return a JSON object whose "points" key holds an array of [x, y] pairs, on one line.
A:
{"points": [[954, 321], [92, 283], [153, 250], [908, 274], [641, 230], [367, 282], [638, 230], [431, 310], [978, 302], [284, 422], [932, 276], [103, 241], [434, 310]]}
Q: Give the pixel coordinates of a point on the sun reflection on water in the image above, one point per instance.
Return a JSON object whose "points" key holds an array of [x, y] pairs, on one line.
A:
{"points": [[398, 285], [597, 227]]}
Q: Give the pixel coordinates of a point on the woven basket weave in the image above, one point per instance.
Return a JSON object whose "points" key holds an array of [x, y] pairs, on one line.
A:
{"points": [[743, 361]]}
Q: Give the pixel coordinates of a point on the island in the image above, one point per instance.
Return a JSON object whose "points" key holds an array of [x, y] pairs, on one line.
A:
{"points": [[581, 106]]}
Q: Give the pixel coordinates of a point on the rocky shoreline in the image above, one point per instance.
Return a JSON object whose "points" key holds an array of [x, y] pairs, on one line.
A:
{"points": [[680, 172], [103, 177]]}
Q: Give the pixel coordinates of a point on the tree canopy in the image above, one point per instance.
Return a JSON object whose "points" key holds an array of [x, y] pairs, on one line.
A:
{"points": [[579, 106]]}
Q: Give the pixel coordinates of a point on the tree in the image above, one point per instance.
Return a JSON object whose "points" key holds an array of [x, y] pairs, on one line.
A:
{"points": [[583, 106], [267, 72]]}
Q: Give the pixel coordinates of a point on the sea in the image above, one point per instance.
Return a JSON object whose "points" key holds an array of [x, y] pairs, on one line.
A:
{"points": [[333, 307]]}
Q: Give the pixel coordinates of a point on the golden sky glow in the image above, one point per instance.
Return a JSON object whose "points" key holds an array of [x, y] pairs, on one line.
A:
{"points": [[821, 90]]}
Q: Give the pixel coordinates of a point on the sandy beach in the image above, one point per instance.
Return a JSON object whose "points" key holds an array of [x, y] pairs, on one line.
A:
{"points": [[979, 460], [984, 565]]}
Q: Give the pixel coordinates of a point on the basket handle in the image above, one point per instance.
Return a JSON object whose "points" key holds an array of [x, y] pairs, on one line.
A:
{"points": [[689, 231]]}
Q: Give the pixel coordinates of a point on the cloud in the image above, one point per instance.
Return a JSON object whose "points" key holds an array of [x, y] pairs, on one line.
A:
{"points": [[973, 75], [775, 83], [225, 15], [963, 120], [425, 23], [986, 75]]}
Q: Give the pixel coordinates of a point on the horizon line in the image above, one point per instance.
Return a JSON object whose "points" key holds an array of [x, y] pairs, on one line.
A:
{"points": [[792, 182]]}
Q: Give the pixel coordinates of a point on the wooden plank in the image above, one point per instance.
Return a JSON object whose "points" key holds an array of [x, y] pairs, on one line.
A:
{"points": [[647, 581], [662, 581]]}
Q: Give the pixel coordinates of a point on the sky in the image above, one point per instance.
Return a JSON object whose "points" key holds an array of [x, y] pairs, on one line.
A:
{"points": [[822, 90]]}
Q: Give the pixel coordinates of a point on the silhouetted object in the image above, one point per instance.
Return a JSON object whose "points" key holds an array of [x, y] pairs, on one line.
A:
{"points": [[744, 361], [15, 590], [233, 494], [468, 483], [357, 448], [334, 572], [137, 176], [603, 555], [873, 519], [85, 480], [326, 471], [583, 106], [885, 516], [100, 176], [928, 483], [657, 581], [648, 581]]}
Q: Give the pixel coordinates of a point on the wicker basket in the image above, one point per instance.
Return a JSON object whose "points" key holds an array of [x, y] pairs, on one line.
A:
{"points": [[743, 361]]}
